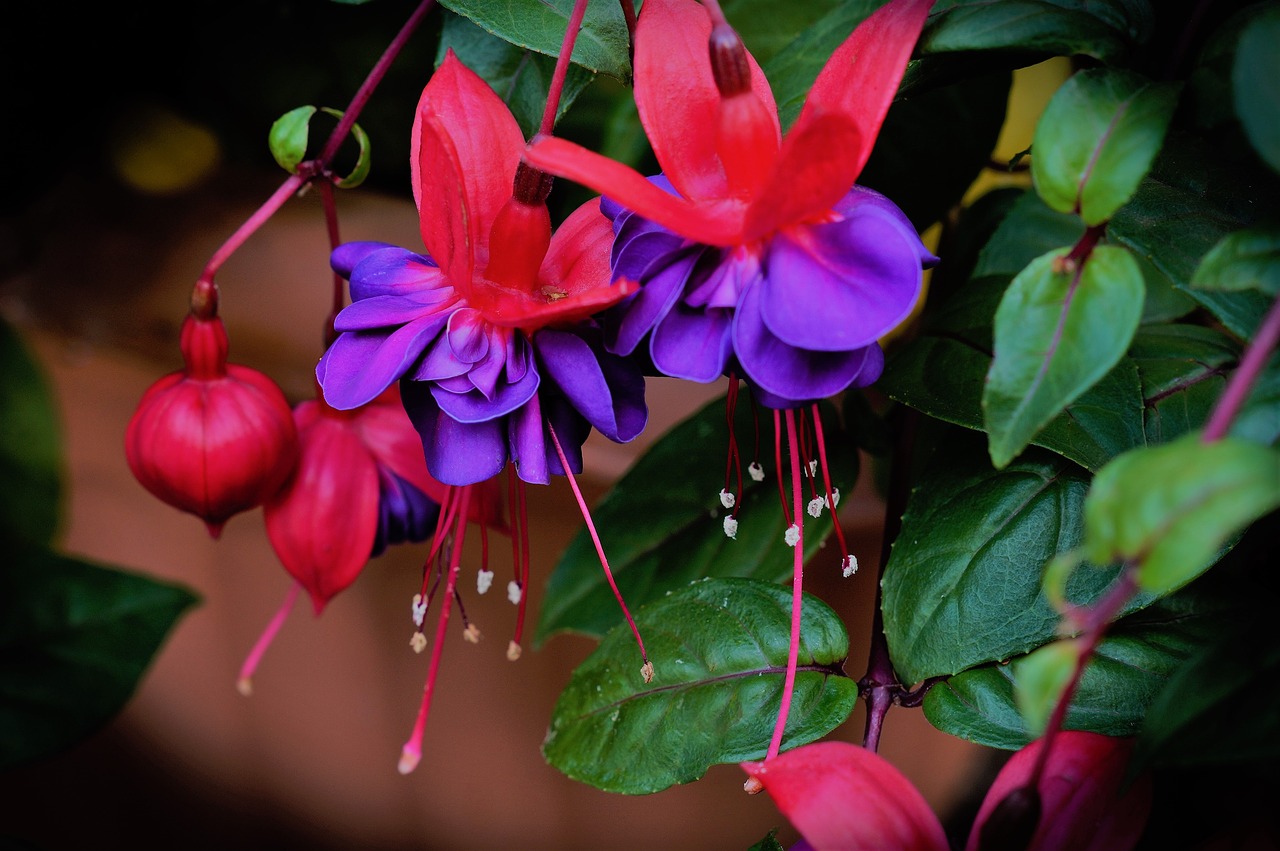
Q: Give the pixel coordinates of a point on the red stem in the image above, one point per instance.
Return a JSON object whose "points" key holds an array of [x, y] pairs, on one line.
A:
{"points": [[1245, 376], [556, 88]]}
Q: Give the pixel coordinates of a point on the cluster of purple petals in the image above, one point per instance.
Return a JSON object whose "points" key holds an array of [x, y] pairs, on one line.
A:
{"points": [[478, 394], [404, 513], [797, 315]]}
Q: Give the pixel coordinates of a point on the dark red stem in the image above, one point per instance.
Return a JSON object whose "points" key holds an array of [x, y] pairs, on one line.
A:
{"points": [[556, 88], [1245, 376]]}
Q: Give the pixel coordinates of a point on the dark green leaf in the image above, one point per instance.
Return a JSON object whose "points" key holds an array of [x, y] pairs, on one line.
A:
{"points": [[662, 525], [30, 448], [539, 25], [1096, 140], [963, 584], [1105, 30], [75, 639], [767, 26], [1256, 81], [1172, 508], [1244, 259], [1030, 230], [1126, 674], [519, 76], [1039, 679], [769, 843], [1184, 370], [1057, 332], [719, 649], [1189, 202]]}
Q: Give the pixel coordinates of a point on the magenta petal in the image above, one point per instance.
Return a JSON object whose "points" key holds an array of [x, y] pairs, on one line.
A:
{"points": [[385, 311], [840, 286], [466, 335], [793, 376], [457, 453], [360, 365]]}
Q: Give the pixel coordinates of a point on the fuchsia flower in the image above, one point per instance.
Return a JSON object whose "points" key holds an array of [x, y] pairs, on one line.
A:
{"points": [[213, 438], [840, 796], [757, 254], [360, 485]]}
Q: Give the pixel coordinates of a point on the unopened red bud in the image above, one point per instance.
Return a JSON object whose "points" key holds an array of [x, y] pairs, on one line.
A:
{"points": [[729, 66], [1012, 823]]}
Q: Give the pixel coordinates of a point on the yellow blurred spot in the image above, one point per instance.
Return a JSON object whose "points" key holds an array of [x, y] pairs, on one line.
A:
{"points": [[155, 151]]}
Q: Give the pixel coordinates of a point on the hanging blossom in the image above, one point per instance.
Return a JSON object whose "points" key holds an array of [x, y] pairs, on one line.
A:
{"points": [[360, 485], [488, 333], [758, 255]]}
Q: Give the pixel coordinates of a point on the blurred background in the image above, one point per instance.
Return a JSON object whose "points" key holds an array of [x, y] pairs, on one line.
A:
{"points": [[134, 145]]}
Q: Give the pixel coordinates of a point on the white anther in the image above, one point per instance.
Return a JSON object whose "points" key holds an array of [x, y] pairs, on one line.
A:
{"points": [[792, 537], [418, 642], [813, 468], [484, 579], [731, 526], [755, 471], [834, 500], [727, 499], [815, 506], [514, 593], [419, 609], [850, 565]]}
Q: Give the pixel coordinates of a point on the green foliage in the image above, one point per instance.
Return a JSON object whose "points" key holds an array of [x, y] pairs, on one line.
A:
{"points": [[1256, 82], [288, 142], [30, 448], [720, 650]]}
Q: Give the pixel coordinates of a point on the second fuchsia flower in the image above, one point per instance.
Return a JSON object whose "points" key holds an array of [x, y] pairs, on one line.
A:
{"points": [[757, 253]]}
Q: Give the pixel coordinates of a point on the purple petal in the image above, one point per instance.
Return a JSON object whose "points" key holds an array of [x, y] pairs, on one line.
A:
{"points": [[531, 452], [361, 364], [457, 453], [475, 407], [466, 335], [860, 196], [692, 344], [347, 256], [607, 390], [385, 311], [658, 293], [394, 271], [404, 512], [843, 285], [790, 376]]}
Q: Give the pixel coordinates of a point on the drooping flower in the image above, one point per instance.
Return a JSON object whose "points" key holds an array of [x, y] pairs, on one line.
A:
{"points": [[757, 253], [488, 333], [213, 438]]}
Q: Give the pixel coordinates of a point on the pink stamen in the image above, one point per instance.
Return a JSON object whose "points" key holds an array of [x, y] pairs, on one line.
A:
{"points": [[647, 669], [411, 754], [245, 683], [777, 464], [797, 587], [733, 463], [520, 553], [826, 481]]}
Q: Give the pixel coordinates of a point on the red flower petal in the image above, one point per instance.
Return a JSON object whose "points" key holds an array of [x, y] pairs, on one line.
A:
{"points": [[841, 796], [677, 98], [712, 223], [466, 146], [1081, 805], [862, 76]]}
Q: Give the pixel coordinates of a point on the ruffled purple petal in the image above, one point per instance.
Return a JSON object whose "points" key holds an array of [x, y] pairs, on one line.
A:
{"points": [[474, 406], [605, 389], [840, 286], [389, 270], [404, 512], [658, 293], [860, 196], [790, 376], [384, 311], [457, 453], [531, 451], [347, 256], [361, 364], [692, 344]]}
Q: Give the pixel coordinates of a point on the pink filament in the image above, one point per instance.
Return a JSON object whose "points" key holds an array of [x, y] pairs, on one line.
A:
{"points": [[826, 480], [797, 587], [264, 641]]}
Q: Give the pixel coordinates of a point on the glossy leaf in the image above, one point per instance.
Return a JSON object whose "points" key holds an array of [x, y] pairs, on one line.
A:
{"points": [[1031, 229], [520, 76], [539, 25], [1242, 260], [1039, 680], [1104, 30], [662, 524], [1125, 675], [1172, 508], [75, 639], [1256, 82], [1190, 201], [30, 448], [962, 586], [1184, 370], [1096, 140], [1057, 332], [288, 137], [719, 650]]}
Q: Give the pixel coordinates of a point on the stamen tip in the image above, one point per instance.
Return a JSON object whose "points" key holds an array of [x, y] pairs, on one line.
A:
{"points": [[514, 650], [646, 671], [815, 507], [514, 592], [850, 565], [408, 760], [731, 526], [755, 471], [484, 579], [245, 686], [472, 633], [753, 786], [792, 536], [418, 642], [727, 499]]}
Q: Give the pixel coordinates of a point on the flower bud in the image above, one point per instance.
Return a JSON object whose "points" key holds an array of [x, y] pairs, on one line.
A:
{"points": [[213, 438]]}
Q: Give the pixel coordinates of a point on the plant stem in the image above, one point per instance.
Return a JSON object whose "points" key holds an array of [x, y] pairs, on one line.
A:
{"points": [[1245, 376], [556, 88]]}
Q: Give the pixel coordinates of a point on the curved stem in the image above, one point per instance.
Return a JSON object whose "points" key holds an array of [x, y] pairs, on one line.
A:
{"points": [[1245, 376]]}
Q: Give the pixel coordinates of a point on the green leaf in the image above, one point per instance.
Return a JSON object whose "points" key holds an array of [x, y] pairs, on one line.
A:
{"points": [[1189, 202], [288, 137], [1057, 332], [1256, 81], [539, 25], [1096, 140], [1124, 676], [30, 448], [1106, 30], [1039, 680], [767, 27], [1184, 370], [520, 76], [963, 584], [1244, 259], [719, 649], [769, 843], [75, 640], [1172, 508], [662, 523], [1031, 229]]}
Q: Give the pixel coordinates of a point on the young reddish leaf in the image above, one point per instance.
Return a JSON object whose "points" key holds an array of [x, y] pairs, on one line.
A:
{"points": [[839, 795]]}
